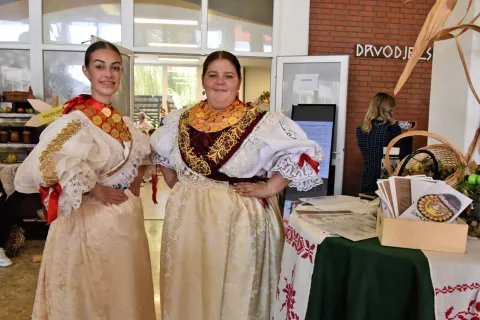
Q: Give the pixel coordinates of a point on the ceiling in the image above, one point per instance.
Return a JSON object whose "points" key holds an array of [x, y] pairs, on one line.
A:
{"points": [[155, 59]]}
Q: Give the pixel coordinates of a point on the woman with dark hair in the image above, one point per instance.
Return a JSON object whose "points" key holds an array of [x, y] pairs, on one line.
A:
{"points": [[223, 234], [88, 167]]}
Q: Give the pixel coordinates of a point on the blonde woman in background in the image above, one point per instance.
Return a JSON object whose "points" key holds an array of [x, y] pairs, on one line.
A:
{"points": [[378, 129]]}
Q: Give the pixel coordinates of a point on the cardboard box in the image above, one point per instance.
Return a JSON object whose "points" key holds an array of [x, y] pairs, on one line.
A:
{"points": [[415, 234]]}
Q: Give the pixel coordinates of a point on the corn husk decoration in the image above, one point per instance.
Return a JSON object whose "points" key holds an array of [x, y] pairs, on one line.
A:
{"points": [[432, 31]]}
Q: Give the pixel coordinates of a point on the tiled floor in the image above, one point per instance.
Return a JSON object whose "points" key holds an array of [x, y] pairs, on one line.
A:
{"points": [[18, 282]]}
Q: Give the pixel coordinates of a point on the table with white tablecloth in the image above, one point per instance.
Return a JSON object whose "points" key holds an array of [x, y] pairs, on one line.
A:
{"points": [[327, 277]]}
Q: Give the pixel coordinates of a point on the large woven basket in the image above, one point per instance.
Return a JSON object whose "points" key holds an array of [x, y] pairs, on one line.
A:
{"points": [[445, 152]]}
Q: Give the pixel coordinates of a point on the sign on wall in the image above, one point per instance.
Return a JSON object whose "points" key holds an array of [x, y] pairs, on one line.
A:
{"points": [[389, 52]]}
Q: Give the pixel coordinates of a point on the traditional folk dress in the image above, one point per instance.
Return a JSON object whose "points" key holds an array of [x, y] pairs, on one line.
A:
{"points": [[96, 262], [221, 253]]}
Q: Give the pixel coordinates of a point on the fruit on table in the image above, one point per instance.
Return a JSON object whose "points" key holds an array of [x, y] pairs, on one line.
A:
{"points": [[20, 110], [8, 109], [427, 167], [11, 158], [417, 168], [472, 179], [29, 110]]}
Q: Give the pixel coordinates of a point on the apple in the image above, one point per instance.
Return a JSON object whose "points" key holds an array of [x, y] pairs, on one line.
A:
{"points": [[8, 109], [30, 110], [472, 179], [20, 110]]}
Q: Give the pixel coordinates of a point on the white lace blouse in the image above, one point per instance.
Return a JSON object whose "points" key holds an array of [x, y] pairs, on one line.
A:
{"points": [[275, 145], [77, 154]]}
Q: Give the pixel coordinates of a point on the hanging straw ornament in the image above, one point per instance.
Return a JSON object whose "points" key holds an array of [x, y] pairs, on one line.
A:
{"points": [[432, 31]]}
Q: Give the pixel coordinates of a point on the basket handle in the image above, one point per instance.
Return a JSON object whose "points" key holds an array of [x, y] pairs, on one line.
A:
{"points": [[473, 145], [413, 154], [423, 134]]}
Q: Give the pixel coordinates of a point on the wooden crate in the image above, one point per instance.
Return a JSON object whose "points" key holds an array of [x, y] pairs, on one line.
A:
{"points": [[415, 234]]}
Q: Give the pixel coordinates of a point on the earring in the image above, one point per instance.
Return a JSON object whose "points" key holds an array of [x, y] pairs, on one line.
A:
{"points": [[203, 92]]}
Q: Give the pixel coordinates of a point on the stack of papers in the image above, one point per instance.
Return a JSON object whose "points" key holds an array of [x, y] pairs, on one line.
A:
{"points": [[338, 203], [351, 226], [420, 198]]}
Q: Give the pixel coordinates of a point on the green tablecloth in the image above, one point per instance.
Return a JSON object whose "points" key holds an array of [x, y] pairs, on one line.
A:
{"points": [[366, 281]]}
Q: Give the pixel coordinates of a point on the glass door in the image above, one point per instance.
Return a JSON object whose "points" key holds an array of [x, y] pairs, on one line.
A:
{"points": [[123, 99], [316, 80]]}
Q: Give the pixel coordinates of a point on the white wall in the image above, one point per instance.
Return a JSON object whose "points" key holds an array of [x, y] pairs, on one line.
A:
{"points": [[293, 26], [454, 112], [256, 81]]}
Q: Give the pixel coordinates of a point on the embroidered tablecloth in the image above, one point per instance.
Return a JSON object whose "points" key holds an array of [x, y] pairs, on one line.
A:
{"points": [[326, 277]]}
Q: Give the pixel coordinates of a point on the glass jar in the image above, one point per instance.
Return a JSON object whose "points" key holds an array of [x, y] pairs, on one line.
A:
{"points": [[14, 136], [27, 137], [4, 135]]}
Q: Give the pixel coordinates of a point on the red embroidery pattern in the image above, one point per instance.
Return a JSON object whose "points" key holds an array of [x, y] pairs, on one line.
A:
{"points": [[472, 313], [290, 293], [459, 287], [304, 247]]}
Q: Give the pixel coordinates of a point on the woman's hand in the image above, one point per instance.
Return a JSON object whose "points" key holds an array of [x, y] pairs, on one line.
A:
{"points": [[108, 194], [137, 182], [262, 190], [255, 190], [135, 186]]}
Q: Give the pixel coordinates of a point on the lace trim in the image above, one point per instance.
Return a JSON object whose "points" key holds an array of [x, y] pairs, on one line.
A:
{"points": [[193, 180], [123, 178], [302, 178], [289, 132], [72, 192], [158, 159]]}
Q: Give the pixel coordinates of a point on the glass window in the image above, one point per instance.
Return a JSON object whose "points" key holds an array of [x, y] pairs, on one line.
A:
{"points": [[63, 75], [182, 86], [240, 25], [167, 24], [14, 23], [148, 92], [14, 70], [73, 22]]}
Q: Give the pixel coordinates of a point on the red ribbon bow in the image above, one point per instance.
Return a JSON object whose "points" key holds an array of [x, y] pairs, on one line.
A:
{"points": [[305, 157], [72, 103], [154, 188], [52, 211]]}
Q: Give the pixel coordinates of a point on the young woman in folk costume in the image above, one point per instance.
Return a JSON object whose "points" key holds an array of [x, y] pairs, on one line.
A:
{"points": [[88, 167], [223, 235]]}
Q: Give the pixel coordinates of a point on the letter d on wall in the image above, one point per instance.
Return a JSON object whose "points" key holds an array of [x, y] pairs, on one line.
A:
{"points": [[359, 50]]}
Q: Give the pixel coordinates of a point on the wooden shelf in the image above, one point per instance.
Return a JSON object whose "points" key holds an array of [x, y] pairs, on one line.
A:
{"points": [[13, 122], [16, 115], [17, 145]]}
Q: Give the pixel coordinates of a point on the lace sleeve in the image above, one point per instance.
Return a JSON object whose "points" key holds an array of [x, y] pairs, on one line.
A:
{"points": [[278, 144], [158, 159], [164, 139], [73, 190], [303, 178]]}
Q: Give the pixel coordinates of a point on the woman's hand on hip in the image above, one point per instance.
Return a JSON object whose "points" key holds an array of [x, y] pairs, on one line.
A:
{"points": [[108, 194], [256, 190], [135, 186]]}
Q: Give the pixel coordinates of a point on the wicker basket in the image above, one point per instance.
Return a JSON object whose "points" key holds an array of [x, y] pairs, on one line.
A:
{"points": [[445, 152]]}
